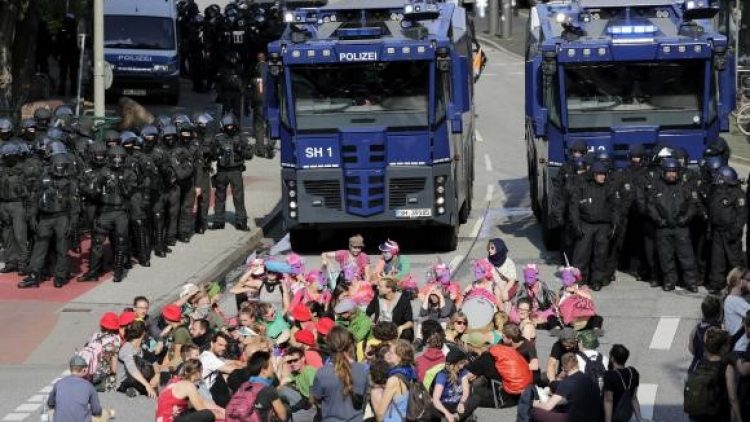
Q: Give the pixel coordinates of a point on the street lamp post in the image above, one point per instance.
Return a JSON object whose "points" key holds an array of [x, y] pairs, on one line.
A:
{"points": [[99, 58]]}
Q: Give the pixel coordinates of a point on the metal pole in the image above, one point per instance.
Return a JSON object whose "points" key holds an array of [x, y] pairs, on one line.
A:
{"points": [[99, 58], [494, 16], [81, 53], [507, 18]]}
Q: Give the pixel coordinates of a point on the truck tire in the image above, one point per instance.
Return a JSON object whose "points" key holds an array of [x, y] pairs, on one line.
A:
{"points": [[550, 235], [445, 239], [302, 240]]}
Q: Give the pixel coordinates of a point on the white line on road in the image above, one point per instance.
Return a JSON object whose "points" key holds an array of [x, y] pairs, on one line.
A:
{"points": [[664, 334], [46, 390], [476, 227], [478, 136], [487, 163], [36, 398], [488, 196], [647, 399], [454, 263], [28, 407], [15, 417]]}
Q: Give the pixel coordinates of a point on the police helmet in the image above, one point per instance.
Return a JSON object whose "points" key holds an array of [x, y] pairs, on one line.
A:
{"points": [[181, 118], [603, 156], [212, 11], [28, 126], [42, 116], [717, 146], [55, 147], [128, 139], [61, 165], [23, 147], [670, 164], [98, 153], [62, 116], [229, 124], [10, 153], [116, 156], [230, 8], [169, 135], [599, 167], [111, 137], [56, 134], [579, 165], [726, 175], [6, 128], [638, 151], [714, 162], [202, 119], [162, 120], [578, 145], [150, 135]]}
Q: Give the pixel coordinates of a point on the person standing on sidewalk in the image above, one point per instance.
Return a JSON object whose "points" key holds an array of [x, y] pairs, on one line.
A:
{"points": [[231, 149], [73, 398]]}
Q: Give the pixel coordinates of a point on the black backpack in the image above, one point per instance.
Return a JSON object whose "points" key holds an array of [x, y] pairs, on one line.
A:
{"points": [[703, 390], [623, 410], [594, 367]]}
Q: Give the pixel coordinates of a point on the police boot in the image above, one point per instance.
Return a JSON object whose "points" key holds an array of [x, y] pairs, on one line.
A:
{"points": [[200, 225], [241, 225], [160, 245], [217, 226], [121, 258], [183, 238], [32, 280], [60, 281], [141, 240]]}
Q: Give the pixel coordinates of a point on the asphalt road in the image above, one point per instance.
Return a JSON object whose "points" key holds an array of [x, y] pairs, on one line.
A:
{"points": [[654, 325]]}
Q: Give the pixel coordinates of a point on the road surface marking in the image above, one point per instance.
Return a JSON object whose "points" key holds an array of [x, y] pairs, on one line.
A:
{"points": [[475, 228], [664, 334], [46, 390], [454, 263], [487, 163], [28, 407], [36, 398], [647, 399], [478, 136], [15, 416], [490, 190]]}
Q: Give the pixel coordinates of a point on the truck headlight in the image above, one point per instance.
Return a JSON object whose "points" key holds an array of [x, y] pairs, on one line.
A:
{"points": [[292, 205]]}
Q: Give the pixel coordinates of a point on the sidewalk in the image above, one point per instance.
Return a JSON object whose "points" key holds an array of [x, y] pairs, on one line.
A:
{"points": [[515, 43], [57, 321], [738, 143]]}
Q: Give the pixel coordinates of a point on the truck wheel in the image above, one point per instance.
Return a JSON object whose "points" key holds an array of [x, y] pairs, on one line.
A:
{"points": [[302, 240], [533, 186], [550, 236]]}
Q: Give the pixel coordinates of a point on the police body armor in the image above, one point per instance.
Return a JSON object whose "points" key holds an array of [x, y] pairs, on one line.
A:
{"points": [[112, 193], [230, 152], [53, 198], [12, 184]]}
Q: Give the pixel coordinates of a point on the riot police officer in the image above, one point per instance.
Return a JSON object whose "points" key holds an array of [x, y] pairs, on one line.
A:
{"points": [[51, 211], [231, 84], [727, 212], [42, 117], [593, 212], [632, 257], [181, 163], [7, 129], [29, 131], [202, 149], [114, 186], [231, 150], [671, 205], [138, 201], [88, 183], [13, 196], [155, 163]]}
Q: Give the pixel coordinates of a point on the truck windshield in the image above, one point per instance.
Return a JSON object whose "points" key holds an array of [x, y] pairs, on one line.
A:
{"points": [[655, 94], [388, 94], [139, 32]]}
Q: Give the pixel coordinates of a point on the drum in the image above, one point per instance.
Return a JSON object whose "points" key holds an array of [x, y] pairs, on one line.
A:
{"points": [[479, 307]]}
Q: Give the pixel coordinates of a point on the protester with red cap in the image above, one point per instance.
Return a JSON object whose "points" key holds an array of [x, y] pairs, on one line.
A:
{"points": [[306, 341], [176, 334]]}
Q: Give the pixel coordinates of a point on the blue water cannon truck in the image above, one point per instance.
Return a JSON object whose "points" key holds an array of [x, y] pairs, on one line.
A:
{"points": [[372, 106], [617, 73]]}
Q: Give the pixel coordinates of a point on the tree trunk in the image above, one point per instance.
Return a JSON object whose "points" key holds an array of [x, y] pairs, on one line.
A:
{"points": [[9, 13], [24, 56]]}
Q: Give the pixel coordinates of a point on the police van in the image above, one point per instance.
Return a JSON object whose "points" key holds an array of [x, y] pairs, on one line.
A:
{"points": [[140, 46]]}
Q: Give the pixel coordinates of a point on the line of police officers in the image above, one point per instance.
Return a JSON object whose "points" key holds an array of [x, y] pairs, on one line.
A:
{"points": [[655, 216], [136, 189]]}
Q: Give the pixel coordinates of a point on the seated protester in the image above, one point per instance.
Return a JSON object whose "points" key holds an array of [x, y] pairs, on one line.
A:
{"points": [[382, 332], [258, 344], [213, 384], [360, 290], [354, 254], [434, 354], [456, 329], [296, 378], [500, 389], [315, 290], [735, 304], [349, 316], [391, 263], [620, 383], [108, 340], [322, 328], [188, 351], [512, 337], [248, 324], [134, 375], [295, 279], [591, 361], [541, 296], [391, 306], [379, 368], [248, 286], [498, 322], [200, 333], [577, 396], [436, 306], [566, 343], [525, 323], [702, 402], [576, 304], [300, 318], [439, 278], [341, 385], [484, 283], [175, 335], [504, 274], [205, 310], [392, 406], [277, 329], [189, 294], [273, 290], [450, 392], [305, 340], [268, 402], [180, 401]]}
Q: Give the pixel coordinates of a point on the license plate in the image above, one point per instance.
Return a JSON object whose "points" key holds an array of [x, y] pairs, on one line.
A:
{"points": [[414, 213], [134, 92]]}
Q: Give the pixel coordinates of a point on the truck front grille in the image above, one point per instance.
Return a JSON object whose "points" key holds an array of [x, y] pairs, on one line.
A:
{"points": [[329, 190], [400, 188]]}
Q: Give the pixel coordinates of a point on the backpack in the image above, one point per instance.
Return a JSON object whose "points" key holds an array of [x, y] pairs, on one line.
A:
{"points": [[97, 356], [703, 390], [594, 367], [623, 411], [512, 367], [241, 407], [430, 375], [419, 405]]}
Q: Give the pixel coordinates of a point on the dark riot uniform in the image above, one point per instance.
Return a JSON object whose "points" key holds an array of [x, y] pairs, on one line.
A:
{"points": [[231, 84], [181, 163], [632, 257], [203, 156], [727, 212], [13, 197], [173, 162], [671, 205], [155, 161], [139, 202], [593, 212], [115, 185], [231, 149], [51, 211]]}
